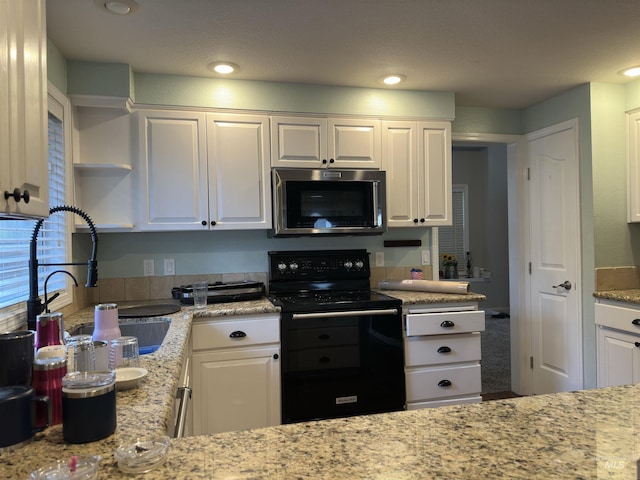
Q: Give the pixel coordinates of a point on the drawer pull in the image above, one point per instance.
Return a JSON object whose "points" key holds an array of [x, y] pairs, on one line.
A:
{"points": [[324, 360], [636, 321], [237, 334], [447, 324], [444, 349], [324, 336], [444, 383]]}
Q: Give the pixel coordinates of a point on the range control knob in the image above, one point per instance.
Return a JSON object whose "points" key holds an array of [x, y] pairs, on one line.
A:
{"points": [[348, 264], [293, 266], [359, 264], [282, 267]]}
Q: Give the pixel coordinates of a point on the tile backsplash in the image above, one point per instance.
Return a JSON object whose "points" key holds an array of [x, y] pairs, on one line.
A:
{"points": [[617, 278]]}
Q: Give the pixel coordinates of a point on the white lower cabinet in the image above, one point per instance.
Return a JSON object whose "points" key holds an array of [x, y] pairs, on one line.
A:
{"points": [[442, 354], [236, 373], [618, 349]]}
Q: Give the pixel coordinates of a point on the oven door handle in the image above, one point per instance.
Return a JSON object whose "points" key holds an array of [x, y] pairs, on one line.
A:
{"points": [[350, 313]]}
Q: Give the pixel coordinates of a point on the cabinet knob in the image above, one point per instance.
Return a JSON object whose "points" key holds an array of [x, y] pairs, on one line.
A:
{"points": [[276, 356], [213, 223], [204, 223], [444, 383], [331, 160], [17, 195], [324, 161], [415, 220], [444, 349], [422, 220], [636, 321], [637, 344], [237, 334], [447, 324]]}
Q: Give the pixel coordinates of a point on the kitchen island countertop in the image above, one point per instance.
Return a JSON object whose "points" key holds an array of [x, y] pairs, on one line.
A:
{"points": [[586, 434]]}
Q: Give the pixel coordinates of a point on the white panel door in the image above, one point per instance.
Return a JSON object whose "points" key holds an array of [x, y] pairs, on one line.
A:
{"points": [[239, 181], [399, 162], [298, 142], [555, 259], [354, 143], [173, 171], [434, 154]]}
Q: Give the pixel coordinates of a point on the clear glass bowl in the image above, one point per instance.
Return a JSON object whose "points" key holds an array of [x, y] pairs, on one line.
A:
{"points": [[142, 456], [85, 468]]}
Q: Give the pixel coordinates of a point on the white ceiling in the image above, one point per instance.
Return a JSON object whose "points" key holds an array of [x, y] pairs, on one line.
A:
{"points": [[490, 53]]}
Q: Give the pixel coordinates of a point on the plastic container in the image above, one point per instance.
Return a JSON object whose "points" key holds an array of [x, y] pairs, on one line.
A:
{"points": [[75, 468], [142, 456]]}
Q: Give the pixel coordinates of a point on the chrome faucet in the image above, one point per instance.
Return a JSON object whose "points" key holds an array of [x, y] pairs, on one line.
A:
{"points": [[35, 306]]}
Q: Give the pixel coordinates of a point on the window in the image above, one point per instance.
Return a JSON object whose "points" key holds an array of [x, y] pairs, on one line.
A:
{"points": [[455, 239], [54, 238]]}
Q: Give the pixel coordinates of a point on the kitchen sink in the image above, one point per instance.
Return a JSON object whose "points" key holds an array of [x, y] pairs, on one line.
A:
{"points": [[150, 333]]}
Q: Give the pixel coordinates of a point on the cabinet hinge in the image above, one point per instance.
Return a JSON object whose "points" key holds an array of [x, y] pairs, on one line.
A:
{"points": [[531, 363], [528, 174], [529, 268]]}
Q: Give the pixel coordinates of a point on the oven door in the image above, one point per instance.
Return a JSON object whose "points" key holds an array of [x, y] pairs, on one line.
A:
{"points": [[342, 363]]}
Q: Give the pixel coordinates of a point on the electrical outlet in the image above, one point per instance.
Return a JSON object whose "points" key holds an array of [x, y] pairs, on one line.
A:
{"points": [[379, 259], [426, 257], [149, 268], [169, 266]]}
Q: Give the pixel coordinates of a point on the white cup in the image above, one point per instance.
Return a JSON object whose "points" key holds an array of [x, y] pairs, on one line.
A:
{"points": [[476, 272], [200, 294]]}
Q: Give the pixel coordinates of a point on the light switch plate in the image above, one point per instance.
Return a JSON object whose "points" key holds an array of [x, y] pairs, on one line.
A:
{"points": [[169, 266], [379, 259], [149, 268], [426, 257]]}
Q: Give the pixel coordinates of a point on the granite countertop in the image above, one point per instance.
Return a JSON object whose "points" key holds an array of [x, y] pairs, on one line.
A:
{"points": [[628, 296], [147, 411]]}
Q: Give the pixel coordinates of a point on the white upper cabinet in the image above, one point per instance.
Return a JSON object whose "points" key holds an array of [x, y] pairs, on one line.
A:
{"points": [[203, 171], [302, 142], [633, 168], [239, 180], [24, 185], [417, 159]]}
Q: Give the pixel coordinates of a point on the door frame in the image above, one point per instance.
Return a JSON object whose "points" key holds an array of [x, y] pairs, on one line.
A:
{"points": [[519, 249]]}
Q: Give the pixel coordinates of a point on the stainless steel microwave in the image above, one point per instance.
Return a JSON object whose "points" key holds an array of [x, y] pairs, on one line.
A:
{"points": [[328, 202]]}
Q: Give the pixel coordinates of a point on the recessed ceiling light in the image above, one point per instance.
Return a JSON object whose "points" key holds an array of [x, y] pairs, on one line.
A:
{"points": [[117, 7], [223, 68], [393, 79], [631, 71]]}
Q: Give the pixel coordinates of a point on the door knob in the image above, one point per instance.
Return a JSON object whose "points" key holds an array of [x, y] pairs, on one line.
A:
{"points": [[566, 285]]}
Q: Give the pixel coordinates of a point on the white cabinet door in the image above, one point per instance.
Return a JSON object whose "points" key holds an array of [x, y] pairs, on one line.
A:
{"points": [[417, 159], [618, 358], [633, 167], [399, 160], [354, 143], [173, 164], [300, 142], [434, 158], [23, 109], [236, 389], [239, 172]]}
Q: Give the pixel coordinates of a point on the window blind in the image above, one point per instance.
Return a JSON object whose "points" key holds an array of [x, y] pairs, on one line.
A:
{"points": [[455, 238], [15, 235]]}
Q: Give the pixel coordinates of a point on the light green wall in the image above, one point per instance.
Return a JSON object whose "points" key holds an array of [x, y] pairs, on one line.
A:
{"points": [[56, 67], [487, 120], [104, 79], [122, 254]]}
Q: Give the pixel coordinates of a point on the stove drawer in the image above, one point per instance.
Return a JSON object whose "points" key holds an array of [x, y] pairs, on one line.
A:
{"points": [[442, 323], [235, 331], [323, 337], [439, 349], [324, 359], [441, 382]]}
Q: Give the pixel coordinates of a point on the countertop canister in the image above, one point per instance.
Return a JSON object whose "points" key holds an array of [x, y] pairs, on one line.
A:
{"points": [[106, 325], [88, 406]]}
